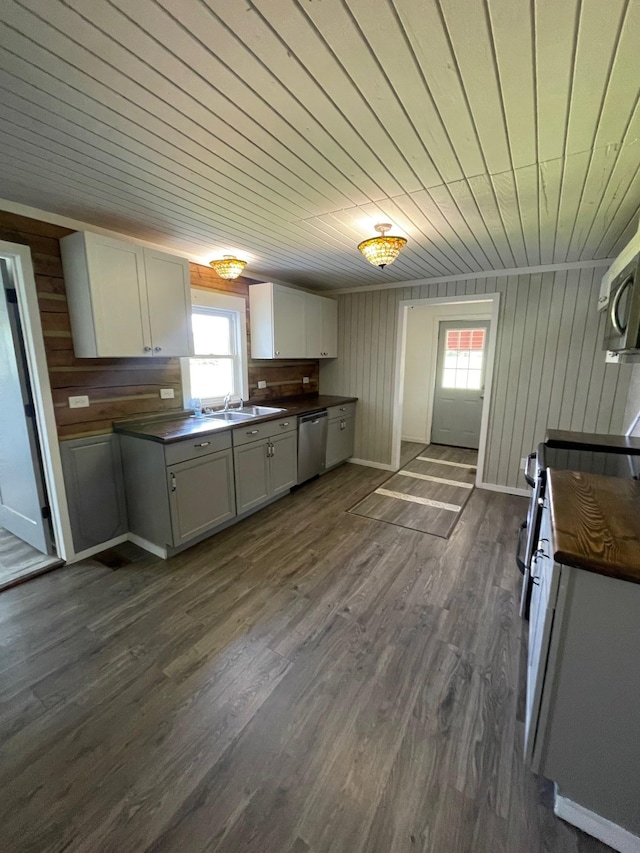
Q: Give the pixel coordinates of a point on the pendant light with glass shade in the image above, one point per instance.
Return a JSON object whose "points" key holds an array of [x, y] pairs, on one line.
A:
{"points": [[382, 250], [228, 267]]}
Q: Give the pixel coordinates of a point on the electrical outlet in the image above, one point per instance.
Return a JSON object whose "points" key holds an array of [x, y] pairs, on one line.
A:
{"points": [[305, 380], [612, 357], [80, 402], [262, 383], [167, 394], [523, 463]]}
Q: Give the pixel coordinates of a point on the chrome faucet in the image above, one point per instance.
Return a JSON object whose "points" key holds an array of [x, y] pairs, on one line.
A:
{"points": [[241, 406], [227, 400]]}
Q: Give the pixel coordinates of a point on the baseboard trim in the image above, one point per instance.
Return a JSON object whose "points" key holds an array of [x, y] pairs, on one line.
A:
{"points": [[414, 440], [154, 549], [96, 549], [381, 465], [593, 824], [506, 490]]}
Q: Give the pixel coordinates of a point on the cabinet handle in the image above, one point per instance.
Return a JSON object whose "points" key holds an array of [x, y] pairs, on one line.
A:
{"points": [[203, 444], [343, 408], [147, 349], [173, 483], [277, 352], [286, 423], [253, 432], [343, 424], [158, 349]]}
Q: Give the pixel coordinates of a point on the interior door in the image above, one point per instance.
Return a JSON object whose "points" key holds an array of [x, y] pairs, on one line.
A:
{"points": [[22, 492], [459, 390]]}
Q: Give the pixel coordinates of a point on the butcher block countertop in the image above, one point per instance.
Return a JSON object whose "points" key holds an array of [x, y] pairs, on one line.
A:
{"points": [[595, 523], [592, 441], [170, 428]]}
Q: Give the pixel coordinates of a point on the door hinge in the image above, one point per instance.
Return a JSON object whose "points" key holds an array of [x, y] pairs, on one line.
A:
{"points": [[29, 410], [46, 512], [11, 295]]}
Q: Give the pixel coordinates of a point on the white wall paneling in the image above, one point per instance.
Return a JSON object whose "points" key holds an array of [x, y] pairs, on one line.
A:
{"points": [[549, 370]]}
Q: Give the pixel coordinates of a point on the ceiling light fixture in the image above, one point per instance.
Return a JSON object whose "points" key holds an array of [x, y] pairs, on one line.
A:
{"points": [[228, 267], [383, 250]]}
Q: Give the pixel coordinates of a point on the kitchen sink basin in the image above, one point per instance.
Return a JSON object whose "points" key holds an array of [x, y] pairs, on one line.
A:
{"points": [[231, 416], [259, 411]]}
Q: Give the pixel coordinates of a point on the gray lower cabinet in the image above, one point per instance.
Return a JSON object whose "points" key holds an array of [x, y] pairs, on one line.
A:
{"points": [[95, 492], [283, 462], [180, 491], [267, 465], [251, 463], [201, 495], [340, 436]]}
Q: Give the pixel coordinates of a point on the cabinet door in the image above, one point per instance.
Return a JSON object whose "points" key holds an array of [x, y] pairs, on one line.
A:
{"points": [[283, 462], [289, 321], [252, 474], [314, 325], [201, 495], [118, 297], [340, 435], [169, 300], [329, 325]]}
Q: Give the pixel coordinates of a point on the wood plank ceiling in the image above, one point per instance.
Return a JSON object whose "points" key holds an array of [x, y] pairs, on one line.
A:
{"points": [[491, 133]]}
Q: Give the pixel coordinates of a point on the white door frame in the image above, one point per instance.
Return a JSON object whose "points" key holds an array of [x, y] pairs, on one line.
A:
{"points": [[493, 306], [18, 258]]}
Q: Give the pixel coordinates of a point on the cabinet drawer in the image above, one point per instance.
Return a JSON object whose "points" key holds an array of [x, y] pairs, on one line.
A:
{"points": [[254, 432], [346, 411], [193, 448]]}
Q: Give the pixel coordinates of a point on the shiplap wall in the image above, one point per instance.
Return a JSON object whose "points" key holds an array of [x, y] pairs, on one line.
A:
{"points": [[549, 370]]}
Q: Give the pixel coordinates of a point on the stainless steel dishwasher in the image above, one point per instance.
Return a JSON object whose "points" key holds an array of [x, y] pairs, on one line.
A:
{"points": [[312, 445]]}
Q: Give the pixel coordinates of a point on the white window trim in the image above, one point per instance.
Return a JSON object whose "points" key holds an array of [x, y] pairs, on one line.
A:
{"points": [[204, 298]]}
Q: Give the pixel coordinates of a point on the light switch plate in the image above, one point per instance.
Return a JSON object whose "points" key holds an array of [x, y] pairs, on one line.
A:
{"points": [[80, 402], [167, 394], [612, 357], [262, 383], [305, 380]]}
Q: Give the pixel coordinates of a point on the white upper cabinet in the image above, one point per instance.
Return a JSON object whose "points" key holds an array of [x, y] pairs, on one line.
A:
{"points": [[289, 323], [329, 326], [125, 300]]}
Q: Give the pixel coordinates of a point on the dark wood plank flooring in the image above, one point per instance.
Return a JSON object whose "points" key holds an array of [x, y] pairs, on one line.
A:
{"points": [[306, 681], [409, 449]]}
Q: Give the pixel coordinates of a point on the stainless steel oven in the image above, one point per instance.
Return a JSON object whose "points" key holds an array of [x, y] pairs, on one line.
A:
{"points": [[622, 332]]}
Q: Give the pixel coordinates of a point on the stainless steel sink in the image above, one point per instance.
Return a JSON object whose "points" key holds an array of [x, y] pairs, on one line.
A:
{"points": [[231, 416], [246, 413], [260, 411]]}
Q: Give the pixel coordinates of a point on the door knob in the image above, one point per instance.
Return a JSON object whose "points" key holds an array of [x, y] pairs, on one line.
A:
{"points": [[147, 349], [158, 349]]}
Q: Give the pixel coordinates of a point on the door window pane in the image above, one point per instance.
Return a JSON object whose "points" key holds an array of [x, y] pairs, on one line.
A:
{"points": [[463, 355]]}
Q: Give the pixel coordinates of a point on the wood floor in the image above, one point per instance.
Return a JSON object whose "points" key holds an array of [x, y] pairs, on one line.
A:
{"points": [[19, 561], [428, 493], [307, 681]]}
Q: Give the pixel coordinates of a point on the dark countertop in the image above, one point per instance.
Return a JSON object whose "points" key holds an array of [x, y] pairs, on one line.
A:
{"points": [[592, 441], [168, 428], [595, 523]]}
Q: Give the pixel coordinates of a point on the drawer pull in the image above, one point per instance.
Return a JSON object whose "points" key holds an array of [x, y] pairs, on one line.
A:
{"points": [[343, 409], [173, 482], [203, 444], [286, 423], [253, 432]]}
